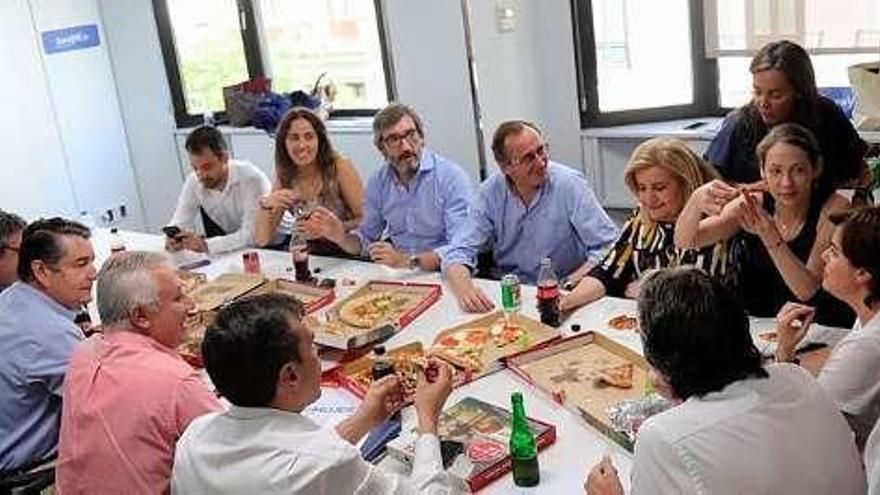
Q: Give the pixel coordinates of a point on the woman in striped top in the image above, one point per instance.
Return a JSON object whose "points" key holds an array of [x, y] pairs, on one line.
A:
{"points": [[661, 174]]}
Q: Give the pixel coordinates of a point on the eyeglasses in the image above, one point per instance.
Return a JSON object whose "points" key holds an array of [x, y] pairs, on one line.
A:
{"points": [[395, 140], [541, 152]]}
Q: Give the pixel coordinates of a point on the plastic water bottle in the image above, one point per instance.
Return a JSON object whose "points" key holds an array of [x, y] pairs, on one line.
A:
{"points": [[117, 244], [208, 118]]}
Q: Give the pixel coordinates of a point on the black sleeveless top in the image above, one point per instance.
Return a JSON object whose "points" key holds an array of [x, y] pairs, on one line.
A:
{"points": [[764, 290]]}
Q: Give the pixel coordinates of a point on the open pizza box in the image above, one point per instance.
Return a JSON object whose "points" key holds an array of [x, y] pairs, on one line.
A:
{"points": [[480, 345], [211, 296], [190, 280], [312, 296], [374, 312], [569, 370], [356, 376]]}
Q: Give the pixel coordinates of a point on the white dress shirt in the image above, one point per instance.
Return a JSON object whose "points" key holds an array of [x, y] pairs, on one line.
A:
{"points": [[264, 450], [872, 461], [851, 376], [233, 208], [775, 435]]}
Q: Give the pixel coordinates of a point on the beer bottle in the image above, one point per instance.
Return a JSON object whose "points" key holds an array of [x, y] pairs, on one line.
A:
{"points": [[548, 294], [523, 450]]}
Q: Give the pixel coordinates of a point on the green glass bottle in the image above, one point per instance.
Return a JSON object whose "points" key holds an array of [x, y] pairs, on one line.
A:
{"points": [[523, 450]]}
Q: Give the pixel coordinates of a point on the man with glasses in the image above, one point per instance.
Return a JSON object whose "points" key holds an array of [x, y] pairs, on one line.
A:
{"points": [[38, 335], [414, 207], [531, 209], [11, 226]]}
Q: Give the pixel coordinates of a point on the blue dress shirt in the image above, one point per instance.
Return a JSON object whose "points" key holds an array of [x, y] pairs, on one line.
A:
{"points": [[563, 221], [37, 337], [425, 214]]}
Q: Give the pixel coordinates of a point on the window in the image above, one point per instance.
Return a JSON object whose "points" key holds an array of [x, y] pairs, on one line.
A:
{"points": [[636, 62], [837, 34], [299, 44], [628, 76]]}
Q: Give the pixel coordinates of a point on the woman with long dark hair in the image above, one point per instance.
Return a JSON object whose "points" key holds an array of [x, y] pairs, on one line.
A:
{"points": [[784, 91], [308, 171]]}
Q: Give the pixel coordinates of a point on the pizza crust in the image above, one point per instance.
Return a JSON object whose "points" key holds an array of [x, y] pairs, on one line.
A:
{"points": [[463, 347], [620, 376]]}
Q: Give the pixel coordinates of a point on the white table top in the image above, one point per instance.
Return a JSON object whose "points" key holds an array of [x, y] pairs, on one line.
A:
{"points": [[578, 446]]}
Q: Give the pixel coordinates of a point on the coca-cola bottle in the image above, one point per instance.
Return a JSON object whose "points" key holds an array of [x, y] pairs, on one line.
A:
{"points": [[299, 254], [548, 294]]}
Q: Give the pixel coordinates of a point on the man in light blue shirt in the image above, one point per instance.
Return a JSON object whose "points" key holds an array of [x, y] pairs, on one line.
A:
{"points": [[533, 208], [37, 337], [413, 207]]}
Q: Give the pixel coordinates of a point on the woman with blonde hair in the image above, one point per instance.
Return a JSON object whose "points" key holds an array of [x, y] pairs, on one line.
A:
{"points": [[661, 174], [308, 171]]}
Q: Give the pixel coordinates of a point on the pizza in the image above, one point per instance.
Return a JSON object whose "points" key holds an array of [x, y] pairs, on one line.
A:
{"points": [[623, 322], [406, 367], [463, 347], [371, 309], [620, 376], [190, 281], [769, 336], [504, 334], [190, 347]]}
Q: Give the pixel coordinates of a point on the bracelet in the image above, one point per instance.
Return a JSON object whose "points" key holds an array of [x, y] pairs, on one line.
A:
{"points": [[776, 245]]}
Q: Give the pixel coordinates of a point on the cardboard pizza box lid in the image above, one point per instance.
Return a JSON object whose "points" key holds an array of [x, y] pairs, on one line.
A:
{"points": [[225, 288], [569, 366], [312, 296]]}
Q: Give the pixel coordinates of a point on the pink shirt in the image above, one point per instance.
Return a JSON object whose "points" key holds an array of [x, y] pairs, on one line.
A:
{"points": [[127, 399]]}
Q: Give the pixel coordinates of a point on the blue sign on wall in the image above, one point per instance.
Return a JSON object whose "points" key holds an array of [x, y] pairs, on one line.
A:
{"points": [[72, 38]]}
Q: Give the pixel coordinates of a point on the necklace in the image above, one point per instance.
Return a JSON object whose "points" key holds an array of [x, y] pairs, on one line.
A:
{"points": [[789, 230]]}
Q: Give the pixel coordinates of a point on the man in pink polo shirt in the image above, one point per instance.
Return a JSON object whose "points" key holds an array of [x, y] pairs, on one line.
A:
{"points": [[128, 395]]}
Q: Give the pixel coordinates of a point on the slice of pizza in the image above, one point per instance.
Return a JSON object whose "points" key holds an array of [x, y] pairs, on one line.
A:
{"points": [[463, 347], [620, 376], [623, 322], [503, 334]]}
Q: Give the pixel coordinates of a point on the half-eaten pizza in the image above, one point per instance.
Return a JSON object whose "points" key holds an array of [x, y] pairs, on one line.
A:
{"points": [[620, 376]]}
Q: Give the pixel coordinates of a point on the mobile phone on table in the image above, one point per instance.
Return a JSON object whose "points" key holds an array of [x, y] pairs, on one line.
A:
{"points": [[171, 231]]}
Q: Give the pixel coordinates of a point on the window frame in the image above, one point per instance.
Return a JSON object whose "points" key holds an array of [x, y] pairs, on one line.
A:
{"points": [[255, 56], [704, 70]]}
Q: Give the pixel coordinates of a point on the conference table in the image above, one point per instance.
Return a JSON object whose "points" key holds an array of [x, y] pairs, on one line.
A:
{"points": [[578, 446]]}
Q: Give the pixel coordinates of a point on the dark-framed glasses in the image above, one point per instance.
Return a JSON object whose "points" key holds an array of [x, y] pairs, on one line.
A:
{"points": [[395, 140]]}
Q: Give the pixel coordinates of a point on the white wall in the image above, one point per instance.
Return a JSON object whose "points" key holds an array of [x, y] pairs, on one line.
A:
{"points": [[33, 174], [428, 50], [145, 100], [68, 151]]}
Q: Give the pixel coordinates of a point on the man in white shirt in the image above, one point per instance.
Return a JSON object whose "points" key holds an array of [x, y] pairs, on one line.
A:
{"points": [[216, 208], [262, 359], [739, 427]]}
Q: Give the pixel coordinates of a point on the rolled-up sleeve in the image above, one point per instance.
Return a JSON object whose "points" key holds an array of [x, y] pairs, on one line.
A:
{"points": [[473, 237], [594, 229], [458, 191], [372, 224]]}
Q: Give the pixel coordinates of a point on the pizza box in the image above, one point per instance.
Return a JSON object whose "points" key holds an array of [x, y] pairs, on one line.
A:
{"points": [[190, 280], [567, 370], [312, 296], [347, 325], [537, 334], [225, 288], [356, 375], [484, 429]]}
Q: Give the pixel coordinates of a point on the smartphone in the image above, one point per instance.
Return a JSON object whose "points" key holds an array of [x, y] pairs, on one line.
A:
{"points": [[171, 231], [449, 450]]}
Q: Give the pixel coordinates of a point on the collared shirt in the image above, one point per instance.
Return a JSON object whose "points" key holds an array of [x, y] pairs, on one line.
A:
{"points": [[127, 401], [233, 208], [872, 460], [423, 215], [265, 450], [851, 376], [37, 337], [563, 221], [779, 434]]}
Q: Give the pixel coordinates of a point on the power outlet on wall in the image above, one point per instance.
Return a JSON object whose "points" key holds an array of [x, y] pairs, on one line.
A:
{"points": [[115, 214]]}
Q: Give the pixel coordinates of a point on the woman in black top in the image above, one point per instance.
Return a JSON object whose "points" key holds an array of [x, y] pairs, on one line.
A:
{"points": [[785, 91], [787, 225], [661, 174]]}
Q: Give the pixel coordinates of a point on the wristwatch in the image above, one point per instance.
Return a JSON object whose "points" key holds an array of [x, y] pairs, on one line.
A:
{"points": [[413, 262]]}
